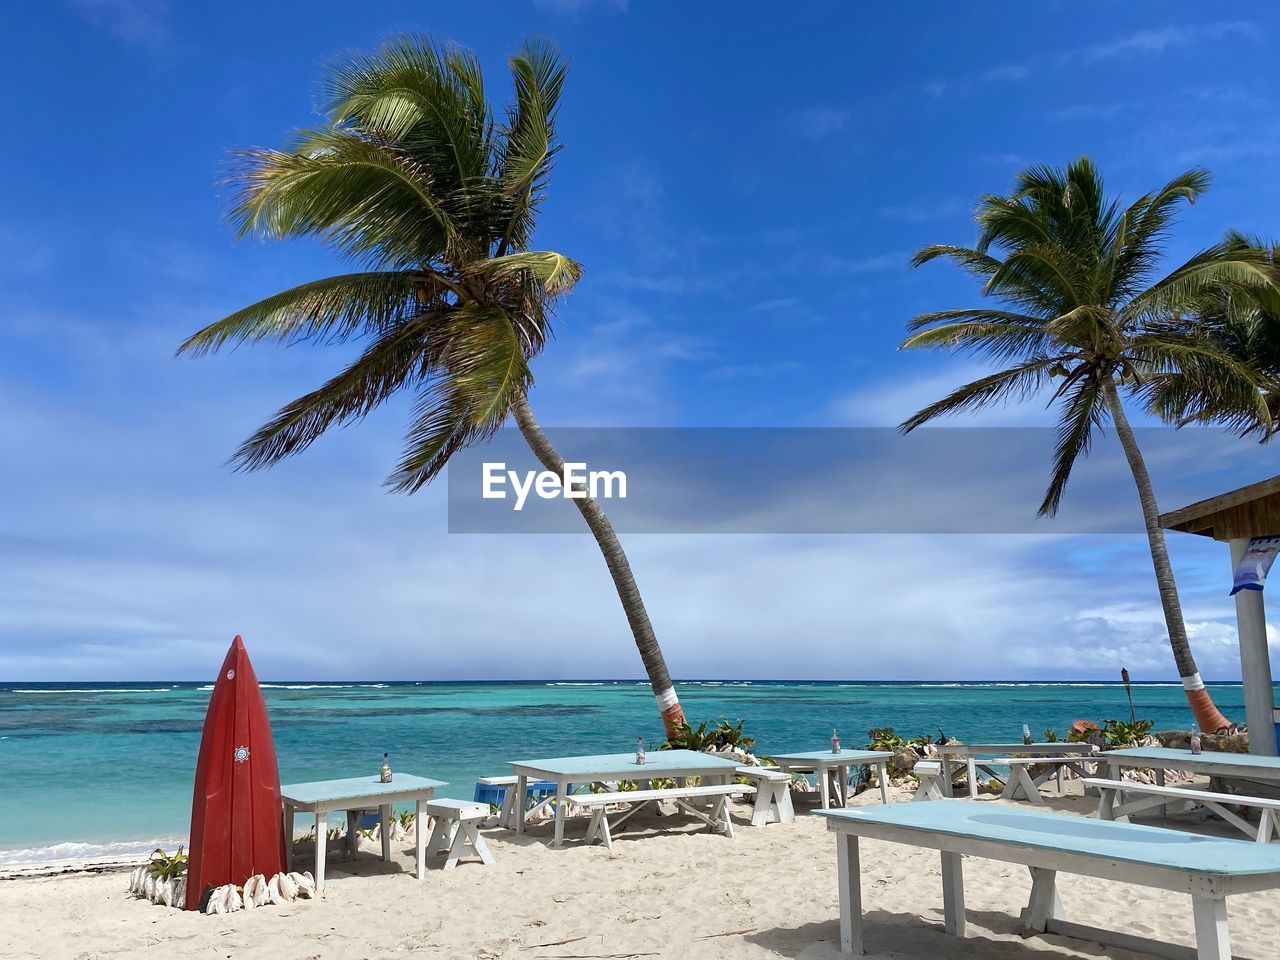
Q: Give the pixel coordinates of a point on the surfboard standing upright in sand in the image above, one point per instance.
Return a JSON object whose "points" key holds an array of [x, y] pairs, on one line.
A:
{"points": [[236, 826]]}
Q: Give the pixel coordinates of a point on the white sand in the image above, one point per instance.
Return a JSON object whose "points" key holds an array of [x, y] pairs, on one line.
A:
{"points": [[771, 892]]}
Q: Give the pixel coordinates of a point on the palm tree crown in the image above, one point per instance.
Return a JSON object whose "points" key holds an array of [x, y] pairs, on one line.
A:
{"points": [[1087, 310], [435, 200]]}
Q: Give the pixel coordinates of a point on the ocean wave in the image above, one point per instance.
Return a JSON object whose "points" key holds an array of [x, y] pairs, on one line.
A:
{"points": [[313, 686], [568, 683], [76, 851], [99, 690]]}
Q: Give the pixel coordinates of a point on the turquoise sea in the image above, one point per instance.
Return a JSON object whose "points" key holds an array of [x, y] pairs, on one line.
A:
{"points": [[88, 769]]}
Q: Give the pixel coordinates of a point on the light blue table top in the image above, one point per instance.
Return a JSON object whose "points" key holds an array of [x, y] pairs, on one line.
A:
{"points": [[827, 757], [1130, 843], [1176, 757], [356, 788], [658, 763]]}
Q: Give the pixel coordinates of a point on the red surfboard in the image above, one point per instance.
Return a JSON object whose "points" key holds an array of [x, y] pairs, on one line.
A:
{"points": [[236, 828]]}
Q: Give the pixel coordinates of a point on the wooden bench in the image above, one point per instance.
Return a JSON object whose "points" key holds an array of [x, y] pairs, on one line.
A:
{"points": [[773, 795], [457, 828], [930, 774], [1114, 806], [717, 819]]}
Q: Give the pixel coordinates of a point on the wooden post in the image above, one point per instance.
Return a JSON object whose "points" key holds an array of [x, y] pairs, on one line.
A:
{"points": [[420, 837], [849, 869], [322, 837], [953, 893], [1255, 662], [1212, 940]]}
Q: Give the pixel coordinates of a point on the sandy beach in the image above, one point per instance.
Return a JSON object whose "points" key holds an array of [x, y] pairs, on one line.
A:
{"points": [[771, 892]]}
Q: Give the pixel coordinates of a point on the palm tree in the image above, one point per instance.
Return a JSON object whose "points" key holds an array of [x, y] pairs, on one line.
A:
{"points": [[435, 200], [1084, 312]]}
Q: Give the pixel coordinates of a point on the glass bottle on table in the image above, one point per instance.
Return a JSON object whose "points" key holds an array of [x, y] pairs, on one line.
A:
{"points": [[835, 741], [384, 775], [1196, 745], [640, 751]]}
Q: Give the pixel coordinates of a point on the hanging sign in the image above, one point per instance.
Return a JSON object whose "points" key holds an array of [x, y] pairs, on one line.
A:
{"points": [[1251, 571]]}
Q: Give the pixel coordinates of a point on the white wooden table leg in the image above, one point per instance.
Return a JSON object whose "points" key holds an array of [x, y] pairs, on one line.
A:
{"points": [[882, 771], [953, 893], [945, 784], [786, 810], [288, 837], [1163, 808], [849, 875], [420, 838], [441, 836], [477, 843], [384, 819], [1044, 904], [1212, 940], [521, 787], [824, 789], [322, 838], [971, 779], [352, 838], [562, 791], [1029, 788]]}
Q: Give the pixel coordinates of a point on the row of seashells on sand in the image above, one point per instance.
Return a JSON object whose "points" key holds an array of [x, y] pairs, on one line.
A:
{"points": [[257, 891], [170, 891]]}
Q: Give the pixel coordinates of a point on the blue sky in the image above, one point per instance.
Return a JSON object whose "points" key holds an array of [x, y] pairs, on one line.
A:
{"points": [[744, 192]]}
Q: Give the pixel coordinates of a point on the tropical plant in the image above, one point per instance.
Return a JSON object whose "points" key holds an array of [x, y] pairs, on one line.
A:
{"points": [[723, 736], [1085, 315], [167, 866], [435, 198]]}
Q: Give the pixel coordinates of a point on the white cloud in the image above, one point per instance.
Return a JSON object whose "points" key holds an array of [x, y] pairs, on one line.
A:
{"points": [[819, 122], [143, 24]]}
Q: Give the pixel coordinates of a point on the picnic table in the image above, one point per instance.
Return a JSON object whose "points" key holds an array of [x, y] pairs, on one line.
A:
{"points": [[1242, 766], [1208, 868], [352, 796], [981, 756], [833, 771], [676, 765]]}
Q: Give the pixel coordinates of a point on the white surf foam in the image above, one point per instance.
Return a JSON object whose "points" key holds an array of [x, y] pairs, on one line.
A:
{"points": [[73, 851]]}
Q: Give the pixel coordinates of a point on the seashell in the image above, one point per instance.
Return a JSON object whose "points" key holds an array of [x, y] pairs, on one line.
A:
{"points": [[288, 888], [231, 901], [180, 892], [273, 889], [149, 888], [214, 903], [164, 892], [306, 887], [135, 880], [256, 893]]}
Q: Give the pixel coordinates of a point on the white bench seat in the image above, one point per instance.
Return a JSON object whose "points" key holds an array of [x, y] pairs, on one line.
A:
{"points": [[1114, 806], [717, 819], [773, 795], [457, 829]]}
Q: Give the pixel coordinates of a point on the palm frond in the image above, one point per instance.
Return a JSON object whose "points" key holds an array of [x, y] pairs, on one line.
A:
{"points": [[332, 309], [538, 74], [554, 273], [366, 198], [1019, 382], [392, 361], [1081, 413]]}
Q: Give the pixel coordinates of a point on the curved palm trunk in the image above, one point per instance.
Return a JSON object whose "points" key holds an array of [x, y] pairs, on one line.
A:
{"points": [[1208, 718], [616, 559]]}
